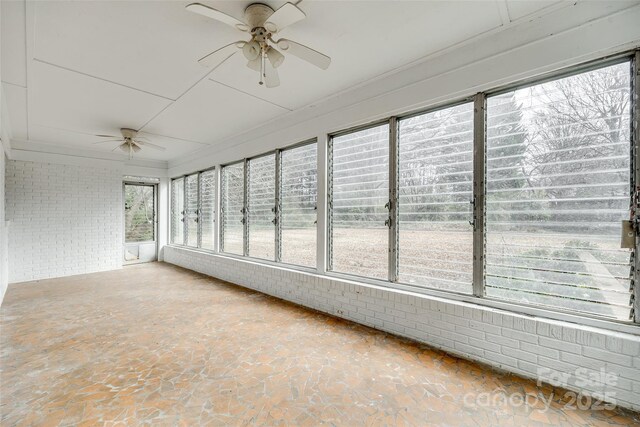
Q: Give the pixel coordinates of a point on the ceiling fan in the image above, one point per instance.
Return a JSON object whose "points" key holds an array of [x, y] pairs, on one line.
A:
{"points": [[260, 51], [130, 142]]}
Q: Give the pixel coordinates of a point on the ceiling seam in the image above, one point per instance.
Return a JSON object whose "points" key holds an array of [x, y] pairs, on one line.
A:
{"points": [[177, 139], [251, 95], [154, 116], [178, 98], [102, 79], [13, 84]]}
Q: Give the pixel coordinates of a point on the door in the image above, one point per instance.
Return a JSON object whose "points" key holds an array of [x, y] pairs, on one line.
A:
{"points": [[140, 228]]}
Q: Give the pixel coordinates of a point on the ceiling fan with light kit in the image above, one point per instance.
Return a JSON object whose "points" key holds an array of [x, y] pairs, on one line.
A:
{"points": [[263, 23], [130, 142]]}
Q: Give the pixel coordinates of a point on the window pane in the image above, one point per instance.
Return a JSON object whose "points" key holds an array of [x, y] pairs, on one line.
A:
{"points": [[262, 201], [177, 208], [232, 205], [298, 205], [360, 191], [557, 188], [207, 207], [191, 211], [436, 188], [139, 213]]}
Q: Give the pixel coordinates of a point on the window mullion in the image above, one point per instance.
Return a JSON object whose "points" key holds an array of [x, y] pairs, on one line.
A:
{"points": [[185, 213], [635, 191], [479, 179], [393, 199], [223, 195], [198, 212], [278, 207], [217, 215], [329, 216], [245, 209]]}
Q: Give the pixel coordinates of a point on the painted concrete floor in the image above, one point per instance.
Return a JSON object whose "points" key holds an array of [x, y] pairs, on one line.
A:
{"points": [[160, 345]]}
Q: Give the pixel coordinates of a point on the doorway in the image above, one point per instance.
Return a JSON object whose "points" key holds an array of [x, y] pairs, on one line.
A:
{"points": [[140, 225]]}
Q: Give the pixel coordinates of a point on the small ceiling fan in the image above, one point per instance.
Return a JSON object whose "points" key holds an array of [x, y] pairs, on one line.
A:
{"points": [[260, 51], [130, 142]]}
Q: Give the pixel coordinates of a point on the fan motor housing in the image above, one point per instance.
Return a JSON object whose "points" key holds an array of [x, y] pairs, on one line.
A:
{"points": [[128, 133]]}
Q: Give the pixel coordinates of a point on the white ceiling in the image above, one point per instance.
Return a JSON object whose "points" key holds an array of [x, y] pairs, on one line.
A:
{"points": [[73, 69]]}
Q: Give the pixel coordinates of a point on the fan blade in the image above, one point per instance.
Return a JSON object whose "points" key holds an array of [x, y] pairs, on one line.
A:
{"points": [[109, 140], [305, 53], [288, 14], [135, 148], [217, 57], [108, 136], [149, 144], [212, 13], [255, 64], [115, 148], [271, 78]]}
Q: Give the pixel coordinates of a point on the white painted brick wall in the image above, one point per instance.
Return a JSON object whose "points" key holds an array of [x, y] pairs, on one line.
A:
{"points": [[513, 342], [65, 219]]}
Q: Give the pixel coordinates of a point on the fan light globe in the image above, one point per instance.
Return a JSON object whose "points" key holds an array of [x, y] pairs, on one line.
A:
{"points": [[251, 50], [275, 57], [255, 64]]}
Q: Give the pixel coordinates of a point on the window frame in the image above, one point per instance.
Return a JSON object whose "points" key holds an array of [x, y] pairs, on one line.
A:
{"points": [[280, 151], [247, 189], [394, 252], [325, 156], [633, 59], [187, 243], [220, 213], [174, 213], [329, 210], [215, 206], [479, 100], [199, 207]]}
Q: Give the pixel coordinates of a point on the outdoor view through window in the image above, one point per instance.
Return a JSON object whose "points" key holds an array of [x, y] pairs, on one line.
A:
{"points": [[557, 173], [557, 189], [138, 213]]}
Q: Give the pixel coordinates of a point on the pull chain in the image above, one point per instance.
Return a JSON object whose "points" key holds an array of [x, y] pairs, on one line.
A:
{"points": [[262, 73]]}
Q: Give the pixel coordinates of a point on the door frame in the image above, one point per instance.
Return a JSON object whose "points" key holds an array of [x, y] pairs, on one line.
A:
{"points": [[155, 219]]}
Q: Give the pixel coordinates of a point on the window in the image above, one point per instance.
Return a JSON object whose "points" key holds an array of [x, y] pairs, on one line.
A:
{"points": [[207, 208], [262, 203], [558, 187], [191, 210], [523, 204], [232, 233], [435, 152], [139, 213], [177, 211], [359, 195], [298, 197]]}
